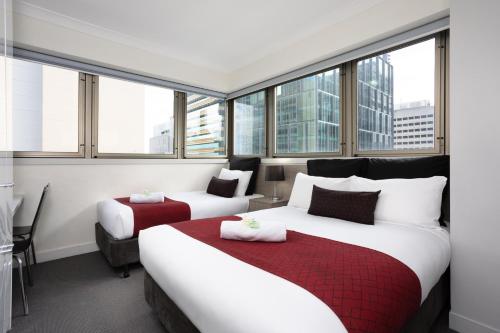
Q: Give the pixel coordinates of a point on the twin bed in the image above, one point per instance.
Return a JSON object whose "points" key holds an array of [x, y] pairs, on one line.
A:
{"points": [[119, 221]]}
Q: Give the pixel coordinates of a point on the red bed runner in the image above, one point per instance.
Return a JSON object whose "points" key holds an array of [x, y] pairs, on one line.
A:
{"points": [[148, 215], [367, 289]]}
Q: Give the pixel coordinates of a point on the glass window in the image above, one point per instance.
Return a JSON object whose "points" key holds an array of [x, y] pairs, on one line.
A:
{"points": [[205, 126], [406, 91], [250, 124], [45, 115], [308, 114], [134, 118]]}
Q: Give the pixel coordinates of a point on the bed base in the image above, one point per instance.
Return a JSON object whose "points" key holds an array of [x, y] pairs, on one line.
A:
{"points": [[175, 321], [118, 252]]}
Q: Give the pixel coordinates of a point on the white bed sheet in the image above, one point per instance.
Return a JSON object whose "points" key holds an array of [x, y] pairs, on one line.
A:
{"points": [[219, 293], [118, 219]]}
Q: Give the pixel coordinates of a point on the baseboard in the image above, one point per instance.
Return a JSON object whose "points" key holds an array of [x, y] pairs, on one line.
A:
{"points": [[463, 324], [65, 251]]}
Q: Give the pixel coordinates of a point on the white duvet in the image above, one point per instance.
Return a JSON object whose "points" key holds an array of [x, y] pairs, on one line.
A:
{"points": [[118, 219], [219, 293]]}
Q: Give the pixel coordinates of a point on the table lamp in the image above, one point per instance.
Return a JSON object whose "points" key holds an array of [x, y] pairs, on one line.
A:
{"points": [[275, 173]]}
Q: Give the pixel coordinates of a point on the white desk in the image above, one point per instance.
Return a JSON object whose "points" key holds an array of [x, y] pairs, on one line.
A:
{"points": [[17, 201]]}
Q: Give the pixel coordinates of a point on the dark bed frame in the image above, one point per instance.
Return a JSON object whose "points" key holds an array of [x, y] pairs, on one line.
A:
{"points": [[120, 253], [175, 321]]}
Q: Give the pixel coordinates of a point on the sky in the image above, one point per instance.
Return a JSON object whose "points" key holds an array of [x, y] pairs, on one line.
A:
{"points": [[414, 72]]}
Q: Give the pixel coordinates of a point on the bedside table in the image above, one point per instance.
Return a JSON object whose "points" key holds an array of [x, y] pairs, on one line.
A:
{"points": [[265, 203]]}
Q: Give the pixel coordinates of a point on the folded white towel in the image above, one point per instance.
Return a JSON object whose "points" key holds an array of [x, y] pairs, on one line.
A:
{"points": [[245, 230], [152, 197]]}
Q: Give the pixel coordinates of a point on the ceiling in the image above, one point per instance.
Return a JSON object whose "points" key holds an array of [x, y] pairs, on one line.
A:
{"points": [[224, 35]]}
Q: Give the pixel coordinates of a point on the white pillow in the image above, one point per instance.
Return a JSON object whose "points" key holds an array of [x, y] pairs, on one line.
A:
{"points": [[243, 179], [406, 201], [303, 186]]}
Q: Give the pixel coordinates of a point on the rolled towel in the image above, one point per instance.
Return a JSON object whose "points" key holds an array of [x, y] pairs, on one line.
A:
{"points": [[152, 197], [251, 230]]}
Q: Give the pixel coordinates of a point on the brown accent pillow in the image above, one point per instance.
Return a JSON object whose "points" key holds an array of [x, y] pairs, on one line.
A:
{"points": [[356, 207], [222, 187]]}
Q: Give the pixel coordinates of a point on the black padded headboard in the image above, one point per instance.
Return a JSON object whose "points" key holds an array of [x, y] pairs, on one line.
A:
{"points": [[384, 168]]}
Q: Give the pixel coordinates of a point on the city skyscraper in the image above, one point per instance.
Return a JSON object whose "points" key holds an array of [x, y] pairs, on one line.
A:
{"points": [[205, 129], [375, 103], [308, 114], [162, 140], [249, 123], [414, 125]]}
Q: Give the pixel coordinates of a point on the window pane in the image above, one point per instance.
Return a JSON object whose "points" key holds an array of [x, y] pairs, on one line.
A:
{"points": [[249, 124], [395, 91], [205, 126], [45, 108], [308, 114], [135, 118]]}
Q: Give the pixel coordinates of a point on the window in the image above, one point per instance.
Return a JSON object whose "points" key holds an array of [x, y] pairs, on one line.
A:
{"points": [[47, 118], [205, 126], [134, 118], [405, 78], [307, 114], [250, 124]]}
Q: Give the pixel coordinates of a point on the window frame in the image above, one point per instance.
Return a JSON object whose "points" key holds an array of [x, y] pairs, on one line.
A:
{"points": [[271, 109], [266, 120], [82, 78], [440, 51], [184, 154], [95, 126]]}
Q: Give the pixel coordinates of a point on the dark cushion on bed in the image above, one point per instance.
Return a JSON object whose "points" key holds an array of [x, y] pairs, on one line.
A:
{"points": [[422, 167], [351, 206], [222, 187], [337, 168], [246, 164]]}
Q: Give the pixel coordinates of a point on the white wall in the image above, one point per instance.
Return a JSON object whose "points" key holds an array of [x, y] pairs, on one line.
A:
{"points": [[66, 226], [380, 21], [475, 165], [46, 36]]}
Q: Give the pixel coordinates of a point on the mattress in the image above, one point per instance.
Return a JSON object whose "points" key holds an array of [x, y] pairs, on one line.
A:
{"points": [[118, 219], [219, 293]]}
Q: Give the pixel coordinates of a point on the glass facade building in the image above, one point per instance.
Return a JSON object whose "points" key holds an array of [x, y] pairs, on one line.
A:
{"points": [[308, 114], [250, 124], [205, 126], [375, 103]]}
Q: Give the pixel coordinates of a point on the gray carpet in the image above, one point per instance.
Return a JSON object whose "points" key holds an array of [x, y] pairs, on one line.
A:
{"points": [[84, 294]]}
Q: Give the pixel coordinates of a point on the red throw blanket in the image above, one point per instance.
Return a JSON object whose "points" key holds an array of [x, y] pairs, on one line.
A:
{"points": [[148, 215], [368, 290]]}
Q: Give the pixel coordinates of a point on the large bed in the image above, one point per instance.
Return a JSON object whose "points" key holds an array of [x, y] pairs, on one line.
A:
{"points": [[195, 284], [219, 293]]}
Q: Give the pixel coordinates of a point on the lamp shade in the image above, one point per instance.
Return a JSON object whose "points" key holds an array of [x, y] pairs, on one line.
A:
{"points": [[275, 173]]}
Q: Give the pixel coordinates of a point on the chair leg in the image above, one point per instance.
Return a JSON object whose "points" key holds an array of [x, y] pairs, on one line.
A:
{"points": [[21, 280], [28, 267], [33, 252]]}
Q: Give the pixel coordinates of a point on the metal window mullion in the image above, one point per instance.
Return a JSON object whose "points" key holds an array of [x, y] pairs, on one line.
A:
{"points": [[270, 122], [89, 87], [94, 115], [230, 128], [347, 103]]}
